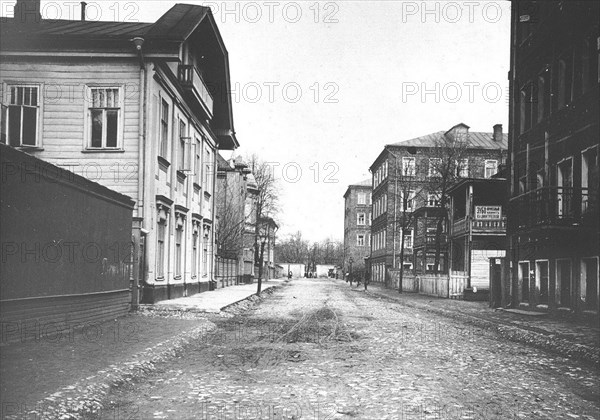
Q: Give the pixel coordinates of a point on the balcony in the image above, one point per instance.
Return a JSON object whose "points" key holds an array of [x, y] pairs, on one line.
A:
{"points": [[478, 226], [429, 240], [191, 80], [555, 206]]}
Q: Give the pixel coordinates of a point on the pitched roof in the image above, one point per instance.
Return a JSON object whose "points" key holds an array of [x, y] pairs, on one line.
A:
{"points": [[176, 24], [477, 140]]}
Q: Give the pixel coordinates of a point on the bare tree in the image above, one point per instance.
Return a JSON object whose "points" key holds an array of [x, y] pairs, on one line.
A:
{"points": [[446, 167], [293, 250], [405, 185], [266, 207]]}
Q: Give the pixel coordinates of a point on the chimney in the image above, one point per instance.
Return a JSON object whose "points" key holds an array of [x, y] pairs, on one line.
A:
{"points": [[28, 12], [497, 132], [83, 4]]}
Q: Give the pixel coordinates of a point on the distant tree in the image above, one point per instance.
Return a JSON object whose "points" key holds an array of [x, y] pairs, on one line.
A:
{"points": [[293, 249]]}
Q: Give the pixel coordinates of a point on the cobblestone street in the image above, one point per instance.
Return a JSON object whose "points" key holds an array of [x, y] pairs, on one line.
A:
{"points": [[317, 349]]}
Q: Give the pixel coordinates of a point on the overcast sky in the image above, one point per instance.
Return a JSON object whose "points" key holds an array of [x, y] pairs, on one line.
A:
{"points": [[321, 87]]}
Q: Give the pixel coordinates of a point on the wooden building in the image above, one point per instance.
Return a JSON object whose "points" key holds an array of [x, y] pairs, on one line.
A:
{"points": [[477, 232], [554, 139], [141, 108]]}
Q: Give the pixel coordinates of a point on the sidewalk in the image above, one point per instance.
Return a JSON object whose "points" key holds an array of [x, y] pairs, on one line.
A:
{"points": [[562, 337], [213, 301], [49, 374]]}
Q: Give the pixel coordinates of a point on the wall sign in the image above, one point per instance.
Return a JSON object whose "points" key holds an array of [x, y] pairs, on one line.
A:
{"points": [[488, 212]]}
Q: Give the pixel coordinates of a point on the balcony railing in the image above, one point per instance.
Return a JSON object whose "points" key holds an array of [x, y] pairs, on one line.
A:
{"points": [[560, 206], [460, 226], [429, 240], [489, 225], [478, 226], [190, 78]]}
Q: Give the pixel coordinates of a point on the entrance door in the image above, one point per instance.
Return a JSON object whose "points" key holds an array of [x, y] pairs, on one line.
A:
{"points": [[541, 281], [565, 184], [524, 281], [563, 283], [589, 283]]}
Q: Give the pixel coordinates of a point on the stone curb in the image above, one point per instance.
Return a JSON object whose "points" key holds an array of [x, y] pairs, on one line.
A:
{"points": [[268, 290], [548, 342]]}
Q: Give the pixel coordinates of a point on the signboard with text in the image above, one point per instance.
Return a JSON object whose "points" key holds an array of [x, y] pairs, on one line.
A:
{"points": [[488, 212]]}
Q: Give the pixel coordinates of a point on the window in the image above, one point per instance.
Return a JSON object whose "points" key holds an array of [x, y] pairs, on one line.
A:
{"points": [[160, 251], [589, 175], [195, 254], [197, 166], [408, 238], [562, 84], [104, 114], [585, 66], [178, 251], [433, 200], [408, 166], [205, 256], [369, 199], [164, 129], [491, 168], [360, 240], [408, 205], [207, 172], [523, 110], [541, 92], [360, 219], [462, 168], [182, 140], [22, 116], [361, 198], [3, 125], [434, 167]]}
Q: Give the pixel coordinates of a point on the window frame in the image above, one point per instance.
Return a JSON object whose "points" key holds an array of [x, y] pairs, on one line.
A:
{"points": [[359, 237], [429, 169], [485, 168], [364, 219], [88, 119], [163, 147], [39, 112], [412, 172]]}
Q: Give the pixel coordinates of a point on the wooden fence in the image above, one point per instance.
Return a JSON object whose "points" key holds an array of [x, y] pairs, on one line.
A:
{"points": [[226, 273]]}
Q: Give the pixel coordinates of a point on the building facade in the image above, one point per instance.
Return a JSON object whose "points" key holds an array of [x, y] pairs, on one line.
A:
{"points": [[477, 231], [141, 108], [554, 136], [408, 179], [357, 226], [236, 213]]}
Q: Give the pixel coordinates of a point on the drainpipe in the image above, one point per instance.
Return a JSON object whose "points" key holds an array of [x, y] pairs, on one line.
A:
{"points": [[141, 208]]}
